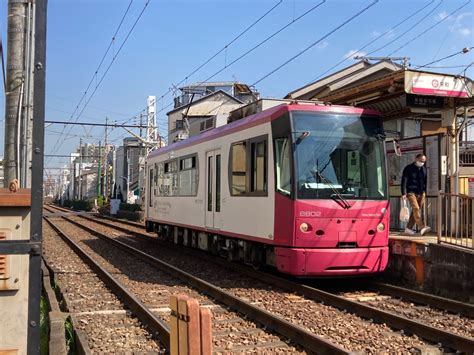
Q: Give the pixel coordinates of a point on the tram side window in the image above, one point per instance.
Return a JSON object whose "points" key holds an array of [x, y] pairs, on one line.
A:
{"points": [[170, 179], [150, 188], [248, 167], [188, 176], [258, 166], [282, 165], [239, 169]]}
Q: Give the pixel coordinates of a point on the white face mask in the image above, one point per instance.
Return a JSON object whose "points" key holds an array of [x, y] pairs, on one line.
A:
{"points": [[419, 163]]}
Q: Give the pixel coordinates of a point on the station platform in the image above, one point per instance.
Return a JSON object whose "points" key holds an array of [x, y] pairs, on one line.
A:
{"points": [[438, 268]]}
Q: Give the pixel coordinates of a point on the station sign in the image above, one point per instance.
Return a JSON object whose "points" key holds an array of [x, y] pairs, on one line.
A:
{"points": [[436, 85], [424, 101]]}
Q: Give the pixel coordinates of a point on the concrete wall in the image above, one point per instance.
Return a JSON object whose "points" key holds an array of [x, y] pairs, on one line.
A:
{"points": [[438, 269], [449, 272]]}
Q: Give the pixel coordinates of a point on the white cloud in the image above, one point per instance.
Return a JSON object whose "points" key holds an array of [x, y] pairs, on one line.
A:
{"points": [[456, 23], [323, 45], [375, 34], [464, 31], [354, 53], [442, 15]]}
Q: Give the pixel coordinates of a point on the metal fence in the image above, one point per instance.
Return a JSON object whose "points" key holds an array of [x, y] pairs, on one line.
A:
{"points": [[466, 153], [455, 222], [429, 212]]}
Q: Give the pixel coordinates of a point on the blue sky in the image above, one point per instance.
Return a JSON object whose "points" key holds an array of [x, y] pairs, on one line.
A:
{"points": [[174, 37]]}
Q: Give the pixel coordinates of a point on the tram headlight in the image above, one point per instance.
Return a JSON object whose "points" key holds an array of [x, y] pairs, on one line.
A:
{"points": [[304, 227], [380, 227]]}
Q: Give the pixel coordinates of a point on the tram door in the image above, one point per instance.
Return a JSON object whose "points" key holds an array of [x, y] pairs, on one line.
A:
{"points": [[213, 189]]}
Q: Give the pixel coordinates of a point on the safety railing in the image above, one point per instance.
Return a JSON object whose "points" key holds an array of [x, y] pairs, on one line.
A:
{"points": [[455, 219]]}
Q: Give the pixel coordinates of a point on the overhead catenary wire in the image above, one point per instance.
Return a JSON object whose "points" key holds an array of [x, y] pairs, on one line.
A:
{"points": [[439, 66], [301, 52], [419, 35], [431, 27], [103, 57], [350, 19], [113, 59], [94, 75], [416, 24], [346, 58], [194, 71], [462, 51], [313, 8], [103, 109]]}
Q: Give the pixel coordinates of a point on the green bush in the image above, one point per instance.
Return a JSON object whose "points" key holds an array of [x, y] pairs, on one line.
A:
{"points": [[132, 207], [82, 205], [100, 201], [44, 326], [67, 203]]}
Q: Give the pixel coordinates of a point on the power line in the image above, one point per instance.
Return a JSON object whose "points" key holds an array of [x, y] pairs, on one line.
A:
{"points": [[99, 66], [429, 28], [463, 51], [252, 49], [113, 60], [416, 37], [114, 57], [408, 30], [440, 66], [226, 46], [375, 39], [103, 57], [106, 110], [316, 42], [114, 125]]}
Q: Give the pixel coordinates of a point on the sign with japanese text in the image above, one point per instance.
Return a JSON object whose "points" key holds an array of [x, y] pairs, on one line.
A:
{"points": [[436, 85], [424, 101]]}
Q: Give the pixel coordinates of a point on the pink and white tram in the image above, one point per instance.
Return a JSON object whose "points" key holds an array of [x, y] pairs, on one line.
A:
{"points": [[299, 187]]}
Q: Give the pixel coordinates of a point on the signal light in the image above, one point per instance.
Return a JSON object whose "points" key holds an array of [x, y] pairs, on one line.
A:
{"points": [[304, 227]]}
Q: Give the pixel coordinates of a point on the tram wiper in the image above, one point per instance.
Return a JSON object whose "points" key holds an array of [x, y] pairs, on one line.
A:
{"points": [[346, 205]]}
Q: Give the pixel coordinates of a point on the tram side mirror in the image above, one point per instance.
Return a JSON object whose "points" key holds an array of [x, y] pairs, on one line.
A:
{"points": [[380, 134], [302, 136]]}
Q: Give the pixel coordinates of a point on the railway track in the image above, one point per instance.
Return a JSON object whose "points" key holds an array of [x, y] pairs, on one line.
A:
{"points": [[304, 300], [151, 287], [102, 320]]}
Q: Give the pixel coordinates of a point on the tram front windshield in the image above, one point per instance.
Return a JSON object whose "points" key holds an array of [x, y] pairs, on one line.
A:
{"points": [[338, 154]]}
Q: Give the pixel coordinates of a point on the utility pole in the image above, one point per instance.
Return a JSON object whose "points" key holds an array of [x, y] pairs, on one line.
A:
{"points": [[106, 172], [15, 75], [99, 165], [28, 105], [80, 166]]}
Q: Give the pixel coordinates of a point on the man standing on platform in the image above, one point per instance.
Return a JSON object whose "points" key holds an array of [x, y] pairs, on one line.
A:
{"points": [[414, 181]]}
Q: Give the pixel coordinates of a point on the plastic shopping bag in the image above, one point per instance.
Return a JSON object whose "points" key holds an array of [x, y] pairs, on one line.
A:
{"points": [[404, 212]]}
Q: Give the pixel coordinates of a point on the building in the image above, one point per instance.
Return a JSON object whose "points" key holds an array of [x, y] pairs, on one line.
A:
{"points": [[129, 167], [89, 183], [204, 106]]}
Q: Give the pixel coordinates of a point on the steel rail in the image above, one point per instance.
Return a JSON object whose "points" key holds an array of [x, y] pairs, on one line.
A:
{"points": [[427, 332], [418, 297], [453, 306], [296, 334], [154, 323]]}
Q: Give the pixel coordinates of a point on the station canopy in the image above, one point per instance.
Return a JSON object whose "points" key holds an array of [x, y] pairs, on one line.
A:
{"points": [[394, 91]]}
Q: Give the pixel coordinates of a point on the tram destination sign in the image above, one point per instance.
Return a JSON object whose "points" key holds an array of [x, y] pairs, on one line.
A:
{"points": [[436, 85]]}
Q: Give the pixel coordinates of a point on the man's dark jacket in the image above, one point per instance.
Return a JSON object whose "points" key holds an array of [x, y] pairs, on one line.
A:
{"points": [[414, 179]]}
